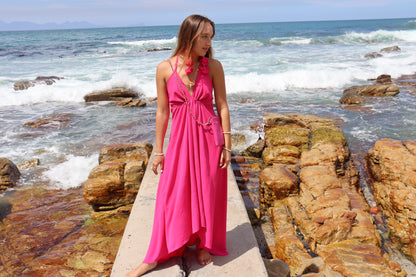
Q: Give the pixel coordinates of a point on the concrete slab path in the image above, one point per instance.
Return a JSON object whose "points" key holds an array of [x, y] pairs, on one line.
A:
{"points": [[244, 259]]}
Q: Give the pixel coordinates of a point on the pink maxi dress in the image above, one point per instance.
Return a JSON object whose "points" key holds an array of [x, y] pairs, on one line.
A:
{"points": [[191, 199]]}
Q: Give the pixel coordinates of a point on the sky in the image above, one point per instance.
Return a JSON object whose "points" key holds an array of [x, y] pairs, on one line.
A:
{"points": [[120, 13]]}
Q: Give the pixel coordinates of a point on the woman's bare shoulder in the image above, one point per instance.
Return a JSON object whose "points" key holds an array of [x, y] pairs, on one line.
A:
{"points": [[215, 66]]}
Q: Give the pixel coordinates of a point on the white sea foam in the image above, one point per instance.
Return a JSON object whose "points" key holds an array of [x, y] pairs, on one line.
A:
{"points": [[291, 40], [147, 44], [71, 173], [68, 89]]}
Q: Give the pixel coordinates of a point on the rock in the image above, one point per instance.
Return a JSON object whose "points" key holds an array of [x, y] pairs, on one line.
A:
{"points": [[28, 164], [374, 90], [237, 139], [115, 94], [392, 165], [280, 181], [384, 78], [391, 49], [48, 80], [254, 150], [351, 97], [158, 49], [373, 55], [55, 121], [116, 180], [130, 102], [55, 233], [323, 226], [9, 174], [127, 151], [276, 268]]}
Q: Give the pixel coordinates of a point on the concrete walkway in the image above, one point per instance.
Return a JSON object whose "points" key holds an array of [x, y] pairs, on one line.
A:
{"points": [[244, 259]]}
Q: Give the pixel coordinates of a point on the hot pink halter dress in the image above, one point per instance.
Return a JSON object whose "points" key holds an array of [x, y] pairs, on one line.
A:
{"points": [[191, 198]]}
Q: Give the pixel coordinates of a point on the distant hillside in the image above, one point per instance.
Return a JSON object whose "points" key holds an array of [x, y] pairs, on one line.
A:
{"points": [[25, 25]]}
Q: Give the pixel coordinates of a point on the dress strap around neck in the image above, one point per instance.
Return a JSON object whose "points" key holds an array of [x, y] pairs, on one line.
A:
{"points": [[176, 64]]}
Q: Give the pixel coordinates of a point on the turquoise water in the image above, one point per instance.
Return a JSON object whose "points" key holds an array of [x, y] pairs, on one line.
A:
{"points": [[293, 67]]}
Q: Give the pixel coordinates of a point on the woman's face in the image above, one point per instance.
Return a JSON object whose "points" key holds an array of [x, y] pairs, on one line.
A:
{"points": [[203, 41]]}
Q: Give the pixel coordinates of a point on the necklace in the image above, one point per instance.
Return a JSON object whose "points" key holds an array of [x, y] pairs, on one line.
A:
{"points": [[191, 83]]}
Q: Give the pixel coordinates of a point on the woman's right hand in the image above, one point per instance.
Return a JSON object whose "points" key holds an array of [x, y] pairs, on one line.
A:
{"points": [[158, 160]]}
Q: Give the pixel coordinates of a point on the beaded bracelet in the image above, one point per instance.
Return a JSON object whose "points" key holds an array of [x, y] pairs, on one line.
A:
{"points": [[159, 154], [225, 148]]}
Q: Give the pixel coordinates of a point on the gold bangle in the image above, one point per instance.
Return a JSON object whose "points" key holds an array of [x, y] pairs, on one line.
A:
{"points": [[226, 133], [225, 148], [159, 154]]}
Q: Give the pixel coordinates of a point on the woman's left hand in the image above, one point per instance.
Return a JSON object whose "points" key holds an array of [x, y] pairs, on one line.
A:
{"points": [[225, 158]]}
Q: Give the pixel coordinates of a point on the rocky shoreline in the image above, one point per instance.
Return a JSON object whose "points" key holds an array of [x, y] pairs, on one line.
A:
{"points": [[302, 190]]}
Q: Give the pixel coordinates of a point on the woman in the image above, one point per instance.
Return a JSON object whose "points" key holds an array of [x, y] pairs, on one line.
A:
{"points": [[191, 200]]}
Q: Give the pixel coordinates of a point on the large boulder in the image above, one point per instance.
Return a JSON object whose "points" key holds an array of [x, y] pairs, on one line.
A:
{"points": [[374, 90], [320, 217], [116, 180], [46, 80], [351, 97], [115, 94], [9, 174], [392, 165]]}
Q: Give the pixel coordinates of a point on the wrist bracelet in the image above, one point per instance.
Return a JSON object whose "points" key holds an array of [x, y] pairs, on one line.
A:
{"points": [[225, 148], [159, 154], [226, 133]]}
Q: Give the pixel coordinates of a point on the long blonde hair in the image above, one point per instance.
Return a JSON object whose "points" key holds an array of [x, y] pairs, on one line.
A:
{"points": [[190, 29]]}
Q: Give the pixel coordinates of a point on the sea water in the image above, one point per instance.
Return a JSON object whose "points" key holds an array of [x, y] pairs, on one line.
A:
{"points": [[290, 67]]}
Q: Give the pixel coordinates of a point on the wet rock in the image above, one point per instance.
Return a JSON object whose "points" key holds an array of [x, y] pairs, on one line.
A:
{"points": [[9, 174], [391, 49], [383, 79], [116, 180], [28, 164], [55, 121], [254, 150], [237, 140], [130, 102], [392, 165], [351, 97], [373, 55], [325, 206], [374, 90], [53, 233], [47, 80], [280, 181], [115, 94]]}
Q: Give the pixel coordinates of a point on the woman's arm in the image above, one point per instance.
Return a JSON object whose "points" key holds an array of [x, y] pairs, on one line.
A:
{"points": [[162, 113], [218, 80]]}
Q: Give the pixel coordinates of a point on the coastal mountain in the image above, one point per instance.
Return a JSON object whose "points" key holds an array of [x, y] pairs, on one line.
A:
{"points": [[26, 25]]}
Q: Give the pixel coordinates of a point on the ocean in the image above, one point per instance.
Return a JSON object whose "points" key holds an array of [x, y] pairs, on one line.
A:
{"points": [[290, 67]]}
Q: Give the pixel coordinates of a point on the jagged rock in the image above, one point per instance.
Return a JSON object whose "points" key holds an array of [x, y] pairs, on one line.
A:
{"points": [[55, 121], [254, 150], [279, 180], [325, 205], [384, 78], [130, 102], [116, 180], [392, 165], [28, 164], [373, 55], [48, 80], [391, 49], [115, 94], [374, 90], [54, 233], [237, 139], [351, 97], [9, 174]]}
